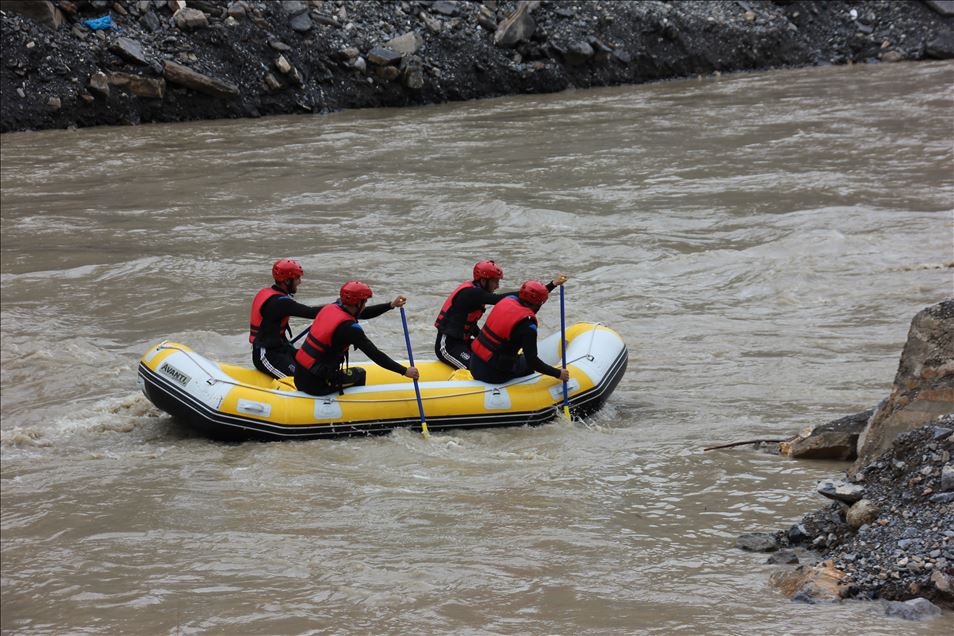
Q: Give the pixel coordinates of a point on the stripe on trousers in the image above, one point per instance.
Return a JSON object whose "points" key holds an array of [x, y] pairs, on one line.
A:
{"points": [[268, 365], [448, 358]]}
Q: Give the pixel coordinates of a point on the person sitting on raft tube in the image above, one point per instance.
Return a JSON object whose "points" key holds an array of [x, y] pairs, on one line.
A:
{"points": [[457, 321], [318, 369], [272, 353], [512, 326]]}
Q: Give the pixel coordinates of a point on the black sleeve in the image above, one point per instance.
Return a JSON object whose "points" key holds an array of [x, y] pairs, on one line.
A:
{"points": [[526, 335], [473, 297], [373, 311], [281, 306], [357, 337]]}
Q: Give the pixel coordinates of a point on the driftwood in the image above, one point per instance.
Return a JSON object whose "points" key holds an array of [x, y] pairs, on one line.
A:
{"points": [[748, 441]]}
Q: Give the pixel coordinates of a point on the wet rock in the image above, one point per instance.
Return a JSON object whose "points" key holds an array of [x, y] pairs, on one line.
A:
{"points": [[129, 50], [783, 557], [487, 19], [188, 19], [283, 65], [54, 104], [278, 45], [237, 10], [916, 609], [184, 76], [387, 73], [839, 490], [797, 534], [757, 542], [837, 440], [272, 83], [811, 584]]}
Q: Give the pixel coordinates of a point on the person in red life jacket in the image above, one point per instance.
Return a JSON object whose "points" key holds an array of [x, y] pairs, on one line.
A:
{"points": [[272, 353], [319, 363], [457, 321], [512, 326]]}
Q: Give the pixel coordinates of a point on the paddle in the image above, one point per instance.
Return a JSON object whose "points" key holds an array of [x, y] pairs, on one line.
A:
{"points": [[299, 336], [566, 398], [417, 389]]}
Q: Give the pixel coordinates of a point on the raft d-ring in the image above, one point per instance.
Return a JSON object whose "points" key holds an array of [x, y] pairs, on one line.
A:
{"points": [[590, 357], [496, 391]]}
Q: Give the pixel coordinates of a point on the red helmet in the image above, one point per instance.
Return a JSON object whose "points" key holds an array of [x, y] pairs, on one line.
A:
{"points": [[286, 269], [534, 292], [353, 292], [487, 269]]}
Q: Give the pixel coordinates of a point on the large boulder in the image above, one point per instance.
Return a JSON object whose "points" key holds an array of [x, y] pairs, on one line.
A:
{"points": [[837, 439], [40, 11], [923, 386]]}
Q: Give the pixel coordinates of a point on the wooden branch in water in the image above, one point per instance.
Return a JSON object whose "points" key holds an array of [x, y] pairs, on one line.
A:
{"points": [[748, 441]]}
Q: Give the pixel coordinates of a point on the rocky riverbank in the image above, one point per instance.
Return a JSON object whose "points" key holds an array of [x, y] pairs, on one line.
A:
{"points": [[175, 60], [890, 532]]}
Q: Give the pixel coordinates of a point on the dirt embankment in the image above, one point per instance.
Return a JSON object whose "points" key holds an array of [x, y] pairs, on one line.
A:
{"points": [[175, 60]]}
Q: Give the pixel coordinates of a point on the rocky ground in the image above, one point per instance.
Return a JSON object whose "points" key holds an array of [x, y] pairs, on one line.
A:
{"points": [[174, 60], [888, 535]]}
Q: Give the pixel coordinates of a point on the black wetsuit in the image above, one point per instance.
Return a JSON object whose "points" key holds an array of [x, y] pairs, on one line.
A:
{"points": [[511, 365], [453, 345], [327, 376], [272, 353]]}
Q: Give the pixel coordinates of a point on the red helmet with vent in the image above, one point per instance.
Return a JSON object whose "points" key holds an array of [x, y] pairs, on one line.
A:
{"points": [[534, 292], [286, 269], [487, 269], [353, 292]]}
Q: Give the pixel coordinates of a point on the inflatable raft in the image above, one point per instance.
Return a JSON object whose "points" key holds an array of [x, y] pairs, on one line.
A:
{"points": [[233, 402]]}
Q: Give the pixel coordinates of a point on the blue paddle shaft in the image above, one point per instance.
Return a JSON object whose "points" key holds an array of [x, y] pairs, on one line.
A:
{"points": [[566, 397], [410, 358]]}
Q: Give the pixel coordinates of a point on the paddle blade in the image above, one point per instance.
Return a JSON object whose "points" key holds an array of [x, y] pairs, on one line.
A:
{"points": [[566, 413], [424, 430]]}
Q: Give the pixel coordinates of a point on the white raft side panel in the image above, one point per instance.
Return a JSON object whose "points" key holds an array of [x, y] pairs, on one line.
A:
{"points": [[594, 353], [192, 373]]}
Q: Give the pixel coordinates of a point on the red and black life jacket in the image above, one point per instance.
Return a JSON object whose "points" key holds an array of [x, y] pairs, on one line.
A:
{"points": [[493, 342], [255, 321], [457, 324], [317, 345]]}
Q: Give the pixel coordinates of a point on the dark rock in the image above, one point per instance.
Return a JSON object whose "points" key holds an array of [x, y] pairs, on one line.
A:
{"points": [[99, 85], [301, 23], [445, 7], [757, 542], [519, 27], [840, 490], [943, 7], [941, 47], [40, 11], [383, 56], [578, 52], [190, 19], [150, 21], [783, 557], [798, 534], [129, 50], [916, 609], [146, 87]]}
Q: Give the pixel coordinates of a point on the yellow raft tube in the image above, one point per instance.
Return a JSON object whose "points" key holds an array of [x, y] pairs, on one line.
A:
{"points": [[233, 402]]}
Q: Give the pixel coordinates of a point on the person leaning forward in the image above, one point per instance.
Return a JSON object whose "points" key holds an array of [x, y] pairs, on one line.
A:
{"points": [[318, 369], [457, 321], [272, 353], [512, 326]]}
